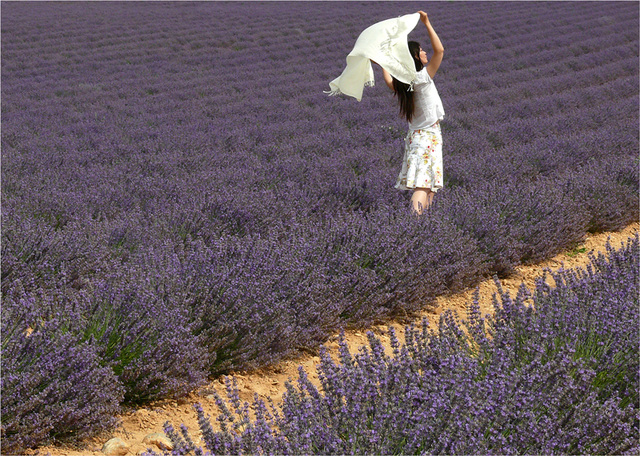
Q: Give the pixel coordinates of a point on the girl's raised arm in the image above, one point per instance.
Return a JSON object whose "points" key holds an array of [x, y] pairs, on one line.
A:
{"points": [[438, 49]]}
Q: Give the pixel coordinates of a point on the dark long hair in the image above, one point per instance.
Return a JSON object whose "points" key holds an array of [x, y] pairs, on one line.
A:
{"points": [[401, 90]]}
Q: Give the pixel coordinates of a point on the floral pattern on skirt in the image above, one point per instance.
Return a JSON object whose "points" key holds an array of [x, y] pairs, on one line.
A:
{"points": [[422, 163]]}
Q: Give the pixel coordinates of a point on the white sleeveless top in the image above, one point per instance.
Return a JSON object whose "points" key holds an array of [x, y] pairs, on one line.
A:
{"points": [[428, 106]]}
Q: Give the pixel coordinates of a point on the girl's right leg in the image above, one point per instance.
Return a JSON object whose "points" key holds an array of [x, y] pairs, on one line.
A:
{"points": [[421, 199]]}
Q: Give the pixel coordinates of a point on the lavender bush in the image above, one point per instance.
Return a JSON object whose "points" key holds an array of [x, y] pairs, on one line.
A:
{"points": [[510, 222], [603, 340], [179, 194], [326, 277], [53, 385], [552, 372]]}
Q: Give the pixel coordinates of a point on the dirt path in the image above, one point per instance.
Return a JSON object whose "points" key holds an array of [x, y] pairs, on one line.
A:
{"points": [[270, 382]]}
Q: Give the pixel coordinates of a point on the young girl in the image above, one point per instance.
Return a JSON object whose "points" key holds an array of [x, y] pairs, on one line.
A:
{"points": [[422, 107]]}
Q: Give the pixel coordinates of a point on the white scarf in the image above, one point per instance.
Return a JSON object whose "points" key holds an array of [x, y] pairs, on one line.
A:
{"points": [[385, 43]]}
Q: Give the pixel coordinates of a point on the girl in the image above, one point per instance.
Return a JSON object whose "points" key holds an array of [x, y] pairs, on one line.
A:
{"points": [[422, 107]]}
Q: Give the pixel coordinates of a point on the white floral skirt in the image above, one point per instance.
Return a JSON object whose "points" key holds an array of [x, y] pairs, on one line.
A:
{"points": [[422, 164]]}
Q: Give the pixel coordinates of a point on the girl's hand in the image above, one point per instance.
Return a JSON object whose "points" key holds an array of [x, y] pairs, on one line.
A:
{"points": [[423, 17]]}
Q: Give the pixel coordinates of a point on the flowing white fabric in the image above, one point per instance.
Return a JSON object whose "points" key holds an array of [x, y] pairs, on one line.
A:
{"points": [[385, 43]]}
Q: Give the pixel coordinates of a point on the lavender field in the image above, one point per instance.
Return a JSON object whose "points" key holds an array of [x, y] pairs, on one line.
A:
{"points": [[180, 198], [557, 380]]}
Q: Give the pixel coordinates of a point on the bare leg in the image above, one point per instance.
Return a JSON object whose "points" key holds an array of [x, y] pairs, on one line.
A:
{"points": [[421, 199]]}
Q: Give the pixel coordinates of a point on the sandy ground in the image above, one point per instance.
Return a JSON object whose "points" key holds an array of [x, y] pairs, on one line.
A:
{"points": [[136, 424]]}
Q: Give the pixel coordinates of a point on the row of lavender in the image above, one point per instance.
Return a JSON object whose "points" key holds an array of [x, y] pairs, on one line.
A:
{"points": [[181, 199], [562, 379]]}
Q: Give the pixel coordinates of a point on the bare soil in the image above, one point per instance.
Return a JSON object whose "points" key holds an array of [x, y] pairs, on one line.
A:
{"points": [[136, 424]]}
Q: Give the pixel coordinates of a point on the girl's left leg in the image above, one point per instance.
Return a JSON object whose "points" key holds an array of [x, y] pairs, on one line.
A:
{"points": [[421, 199]]}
